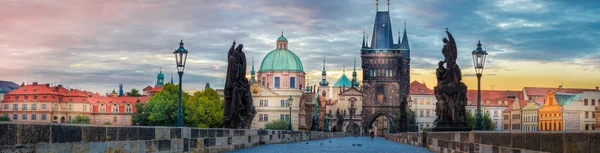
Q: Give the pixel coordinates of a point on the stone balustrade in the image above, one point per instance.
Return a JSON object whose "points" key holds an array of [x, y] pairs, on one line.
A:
{"points": [[65, 138], [503, 142]]}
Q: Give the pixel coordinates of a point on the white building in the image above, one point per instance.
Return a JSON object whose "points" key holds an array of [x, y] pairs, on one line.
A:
{"points": [[584, 107], [423, 103]]}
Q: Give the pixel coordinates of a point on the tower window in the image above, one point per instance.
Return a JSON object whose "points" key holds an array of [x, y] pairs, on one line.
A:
{"points": [[277, 82], [292, 82]]}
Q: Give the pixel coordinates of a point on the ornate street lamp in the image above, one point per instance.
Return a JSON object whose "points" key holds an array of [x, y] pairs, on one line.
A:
{"points": [[478, 62], [290, 106], [180, 57]]}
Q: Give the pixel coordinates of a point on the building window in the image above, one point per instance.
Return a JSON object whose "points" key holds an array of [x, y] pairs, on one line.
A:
{"points": [[586, 114], [33, 117], [97, 119], [115, 119], [24, 117], [24, 107], [43, 106], [263, 117], [15, 116], [285, 103], [115, 109], [70, 107], [6, 115], [44, 117], [277, 82], [85, 108], [292, 82], [593, 115], [33, 106], [264, 103], [102, 108], [69, 118], [105, 119], [421, 101], [5, 106], [263, 80], [421, 113], [123, 119], [587, 127], [585, 102], [128, 108], [34, 97], [55, 106], [428, 101], [593, 102], [427, 113], [284, 117]]}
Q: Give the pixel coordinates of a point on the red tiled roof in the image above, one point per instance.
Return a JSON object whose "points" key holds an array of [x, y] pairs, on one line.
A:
{"points": [[156, 89], [34, 89], [120, 100], [416, 87], [541, 92], [148, 88], [493, 96]]}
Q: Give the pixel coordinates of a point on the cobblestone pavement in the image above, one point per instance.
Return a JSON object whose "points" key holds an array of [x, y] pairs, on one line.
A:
{"points": [[341, 145]]}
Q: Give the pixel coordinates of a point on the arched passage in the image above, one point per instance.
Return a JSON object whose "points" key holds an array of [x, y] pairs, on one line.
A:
{"points": [[381, 123]]}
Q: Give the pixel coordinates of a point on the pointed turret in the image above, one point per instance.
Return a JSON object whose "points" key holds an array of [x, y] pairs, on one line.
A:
{"points": [[382, 31], [207, 85], [171, 77], [404, 39], [399, 39], [367, 42], [252, 72], [120, 89], [354, 81], [363, 37], [324, 75]]}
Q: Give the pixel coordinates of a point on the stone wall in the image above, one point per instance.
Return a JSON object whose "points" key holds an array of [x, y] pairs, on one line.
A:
{"points": [[503, 142], [46, 137]]}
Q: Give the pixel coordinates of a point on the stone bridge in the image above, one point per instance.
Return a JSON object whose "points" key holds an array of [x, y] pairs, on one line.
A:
{"points": [[65, 138], [503, 142]]}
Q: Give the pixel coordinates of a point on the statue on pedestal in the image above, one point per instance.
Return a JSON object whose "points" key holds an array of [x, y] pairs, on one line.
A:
{"points": [[238, 108], [450, 92]]}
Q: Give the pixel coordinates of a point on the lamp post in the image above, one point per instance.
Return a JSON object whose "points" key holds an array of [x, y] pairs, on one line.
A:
{"points": [[478, 62], [180, 57], [290, 106]]}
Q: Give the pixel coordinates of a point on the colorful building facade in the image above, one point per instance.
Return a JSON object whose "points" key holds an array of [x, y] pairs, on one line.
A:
{"points": [[423, 104]]}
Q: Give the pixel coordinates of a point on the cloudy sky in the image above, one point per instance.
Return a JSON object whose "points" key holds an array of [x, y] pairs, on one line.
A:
{"points": [[95, 45]]}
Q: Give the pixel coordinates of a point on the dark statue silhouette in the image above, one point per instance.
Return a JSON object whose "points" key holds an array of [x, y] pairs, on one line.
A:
{"points": [[239, 110], [450, 92]]}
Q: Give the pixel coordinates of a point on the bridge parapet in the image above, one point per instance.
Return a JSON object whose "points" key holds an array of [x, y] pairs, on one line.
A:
{"points": [[47, 137], [495, 142]]}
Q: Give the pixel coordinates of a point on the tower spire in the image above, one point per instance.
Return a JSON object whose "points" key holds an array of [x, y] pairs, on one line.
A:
{"points": [[405, 39], [367, 42], [324, 75], [388, 5], [363, 37], [376, 5], [172, 78], [252, 72], [354, 81]]}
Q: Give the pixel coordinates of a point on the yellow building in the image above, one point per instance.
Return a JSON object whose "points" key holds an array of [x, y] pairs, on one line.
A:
{"points": [[530, 117], [550, 115]]}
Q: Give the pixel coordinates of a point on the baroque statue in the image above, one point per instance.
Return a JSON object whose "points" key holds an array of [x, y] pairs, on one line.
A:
{"points": [[450, 92], [238, 108]]}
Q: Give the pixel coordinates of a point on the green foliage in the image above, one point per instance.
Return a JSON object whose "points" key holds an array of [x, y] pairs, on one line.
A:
{"points": [[162, 106], [472, 120], [134, 93], [4, 118], [277, 125], [80, 119], [204, 110], [107, 123], [140, 117], [488, 124]]}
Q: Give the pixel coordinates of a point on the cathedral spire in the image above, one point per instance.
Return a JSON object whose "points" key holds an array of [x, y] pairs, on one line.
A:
{"points": [[388, 5], [367, 42], [324, 75], [172, 78], [252, 72]]}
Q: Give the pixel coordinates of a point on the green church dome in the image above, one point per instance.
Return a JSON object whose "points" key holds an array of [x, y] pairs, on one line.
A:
{"points": [[281, 59], [281, 38], [160, 75]]}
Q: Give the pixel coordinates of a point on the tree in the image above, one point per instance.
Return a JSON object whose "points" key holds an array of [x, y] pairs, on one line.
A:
{"points": [[488, 124], [4, 118], [204, 110], [140, 117], [80, 119], [277, 125], [134, 93], [161, 109]]}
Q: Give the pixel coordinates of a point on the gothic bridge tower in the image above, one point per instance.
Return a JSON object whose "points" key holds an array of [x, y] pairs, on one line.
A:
{"points": [[386, 73]]}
